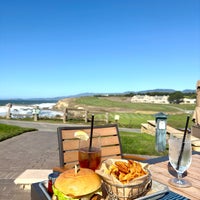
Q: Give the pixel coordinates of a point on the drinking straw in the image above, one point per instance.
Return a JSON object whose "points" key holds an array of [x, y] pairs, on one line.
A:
{"points": [[91, 132], [183, 143]]}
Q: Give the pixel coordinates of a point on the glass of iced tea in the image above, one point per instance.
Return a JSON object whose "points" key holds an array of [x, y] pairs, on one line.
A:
{"points": [[90, 156]]}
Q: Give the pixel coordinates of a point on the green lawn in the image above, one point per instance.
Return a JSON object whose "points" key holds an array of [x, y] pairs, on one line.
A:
{"points": [[139, 143], [8, 131], [134, 120]]}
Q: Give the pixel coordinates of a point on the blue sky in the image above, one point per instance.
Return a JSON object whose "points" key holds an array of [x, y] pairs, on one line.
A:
{"points": [[51, 48]]}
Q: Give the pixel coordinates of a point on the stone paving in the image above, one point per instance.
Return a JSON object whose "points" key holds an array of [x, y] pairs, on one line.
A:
{"points": [[31, 150]]}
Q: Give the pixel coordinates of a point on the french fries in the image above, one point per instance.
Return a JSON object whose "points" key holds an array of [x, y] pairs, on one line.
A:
{"points": [[126, 171]]}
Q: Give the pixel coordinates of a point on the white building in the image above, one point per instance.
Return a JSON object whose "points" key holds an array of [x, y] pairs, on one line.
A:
{"points": [[150, 99], [189, 101], [158, 99]]}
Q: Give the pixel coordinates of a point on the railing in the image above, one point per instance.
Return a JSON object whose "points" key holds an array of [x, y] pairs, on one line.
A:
{"points": [[72, 113], [67, 115]]}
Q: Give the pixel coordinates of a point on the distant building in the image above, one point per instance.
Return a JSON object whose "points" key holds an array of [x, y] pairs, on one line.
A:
{"points": [[150, 99], [157, 99], [188, 101]]}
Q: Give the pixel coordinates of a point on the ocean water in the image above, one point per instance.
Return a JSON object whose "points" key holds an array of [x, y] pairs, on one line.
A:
{"points": [[26, 108], [25, 101]]}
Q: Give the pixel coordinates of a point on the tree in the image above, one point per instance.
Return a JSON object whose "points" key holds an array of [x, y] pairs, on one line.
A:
{"points": [[176, 97]]}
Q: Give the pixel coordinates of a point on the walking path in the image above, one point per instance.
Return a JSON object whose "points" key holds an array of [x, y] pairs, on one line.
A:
{"points": [[31, 150]]}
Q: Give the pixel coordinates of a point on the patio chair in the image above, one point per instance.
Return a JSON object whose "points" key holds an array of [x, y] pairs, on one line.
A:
{"points": [[110, 145]]}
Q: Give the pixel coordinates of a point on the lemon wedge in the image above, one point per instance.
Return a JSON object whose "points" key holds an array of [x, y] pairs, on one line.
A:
{"points": [[81, 135]]}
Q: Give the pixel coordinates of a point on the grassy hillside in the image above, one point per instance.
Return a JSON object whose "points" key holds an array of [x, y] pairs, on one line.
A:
{"points": [[123, 103], [133, 114]]}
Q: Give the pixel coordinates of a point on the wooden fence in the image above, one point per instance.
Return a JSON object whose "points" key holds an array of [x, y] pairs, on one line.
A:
{"points": [[68, 114], [72, 113]]}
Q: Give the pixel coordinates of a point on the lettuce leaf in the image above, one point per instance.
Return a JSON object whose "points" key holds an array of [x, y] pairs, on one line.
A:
{"points": [[62, 196]]}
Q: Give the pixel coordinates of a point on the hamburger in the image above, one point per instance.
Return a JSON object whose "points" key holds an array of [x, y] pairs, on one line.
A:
{"points": [[81, 184]]}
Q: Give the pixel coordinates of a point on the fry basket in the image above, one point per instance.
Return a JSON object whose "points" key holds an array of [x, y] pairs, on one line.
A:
{"points": [[128, 191]]}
